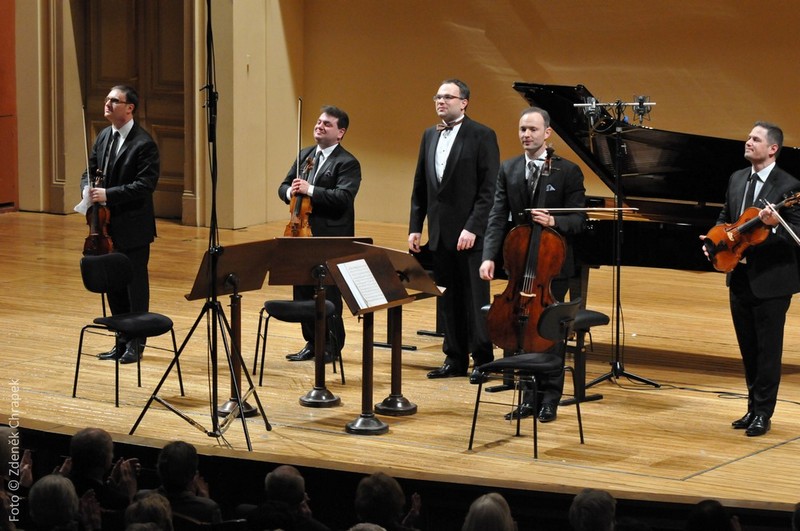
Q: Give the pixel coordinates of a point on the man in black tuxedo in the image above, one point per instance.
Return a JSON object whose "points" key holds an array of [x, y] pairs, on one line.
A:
{"points": [[127, 157], [453, 188], [531, 180], [763, 282], [332, 184]]}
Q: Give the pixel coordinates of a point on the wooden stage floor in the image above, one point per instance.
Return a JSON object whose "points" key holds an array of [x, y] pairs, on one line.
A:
{"points": [[667, 444]]}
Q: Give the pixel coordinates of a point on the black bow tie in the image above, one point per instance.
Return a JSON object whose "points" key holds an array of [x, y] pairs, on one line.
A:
{"points": [[445, 126]]}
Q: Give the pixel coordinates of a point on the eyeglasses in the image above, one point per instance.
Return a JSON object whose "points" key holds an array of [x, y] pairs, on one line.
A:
{"points": [[114, 101], [447, 97]]}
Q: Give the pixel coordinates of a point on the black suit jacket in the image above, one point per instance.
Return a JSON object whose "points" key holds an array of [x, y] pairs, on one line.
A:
{"points": [[129, 184], [464, 197], [563, 188], [772, 266], [335, 188]]}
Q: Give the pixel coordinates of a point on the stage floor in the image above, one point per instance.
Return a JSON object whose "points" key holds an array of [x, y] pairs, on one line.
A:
{"points": [[668, 444]]}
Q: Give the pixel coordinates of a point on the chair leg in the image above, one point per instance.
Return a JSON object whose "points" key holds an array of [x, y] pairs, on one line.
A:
{"points": [[177, 361], [78, 363], [258, 340], [535, 385], [577, 402], [263, 351], [475, 415]]}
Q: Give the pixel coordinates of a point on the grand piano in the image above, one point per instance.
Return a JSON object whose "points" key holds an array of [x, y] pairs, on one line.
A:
{"points": [[676, 180]]}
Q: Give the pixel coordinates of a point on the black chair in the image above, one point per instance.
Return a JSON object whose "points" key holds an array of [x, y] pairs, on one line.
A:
{"points": [[555, 324], [585, 320], [293, 312], [113, 272]]}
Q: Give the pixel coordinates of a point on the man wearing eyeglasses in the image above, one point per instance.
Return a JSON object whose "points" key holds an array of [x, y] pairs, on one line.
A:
{"points": [[124, 166], [453, 188]]}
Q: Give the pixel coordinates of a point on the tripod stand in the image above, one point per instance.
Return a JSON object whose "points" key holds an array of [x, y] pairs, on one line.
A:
{"points": [[617, 365], [208, 284]]}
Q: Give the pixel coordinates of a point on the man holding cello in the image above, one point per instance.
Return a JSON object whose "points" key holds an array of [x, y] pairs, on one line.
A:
{"points": [[763, 281], [537, 180]]}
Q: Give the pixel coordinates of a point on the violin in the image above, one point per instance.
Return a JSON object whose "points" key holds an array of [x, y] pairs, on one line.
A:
{"points": [[726, 243], [300, 208], [533, 255], [97, 216], [300, 205]]}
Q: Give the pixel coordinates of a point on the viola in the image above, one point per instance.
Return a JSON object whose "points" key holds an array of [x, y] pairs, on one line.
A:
{"points": [[727, 242], [98, 217], [300, 208], [533, 255]]}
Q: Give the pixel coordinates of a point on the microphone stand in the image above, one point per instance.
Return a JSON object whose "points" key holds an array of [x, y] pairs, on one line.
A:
{"points": [[641, 109]]}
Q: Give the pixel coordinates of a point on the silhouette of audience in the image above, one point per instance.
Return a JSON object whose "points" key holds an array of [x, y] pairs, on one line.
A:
{"points": [[380, 500], [286, 504], [89, 467], [151, 508], [489, 512], [182, 485], [592, 510], [53, 504], [710, 515]]}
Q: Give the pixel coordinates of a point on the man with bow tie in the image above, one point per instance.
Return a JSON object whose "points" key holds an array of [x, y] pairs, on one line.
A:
{"points": [[530, 181], [453, 189], [332, 183]]}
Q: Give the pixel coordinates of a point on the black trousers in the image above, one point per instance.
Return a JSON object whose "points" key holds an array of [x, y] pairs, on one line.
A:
{"points": [[335, 324]]}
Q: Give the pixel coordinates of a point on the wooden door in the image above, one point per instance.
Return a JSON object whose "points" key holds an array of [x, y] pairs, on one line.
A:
{"points": [[9, 191]]}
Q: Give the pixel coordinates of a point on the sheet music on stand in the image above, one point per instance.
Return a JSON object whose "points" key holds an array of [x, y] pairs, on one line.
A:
{"points": [[362, 283]]}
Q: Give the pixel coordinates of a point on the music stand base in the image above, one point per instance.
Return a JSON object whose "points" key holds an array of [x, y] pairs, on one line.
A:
{"points": [[320, 397], [225, 409], [617, 371], [396, 406], [367, 424]]}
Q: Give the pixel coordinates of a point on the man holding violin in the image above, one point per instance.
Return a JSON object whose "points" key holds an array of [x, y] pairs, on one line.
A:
{"points": [[539, 181], [127, 159], [330, 181], [763, 281]]}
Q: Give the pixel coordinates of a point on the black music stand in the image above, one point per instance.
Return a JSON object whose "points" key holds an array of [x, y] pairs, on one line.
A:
{"points": [[419, 284], [239, 268], [302, 263], [369, 283]]}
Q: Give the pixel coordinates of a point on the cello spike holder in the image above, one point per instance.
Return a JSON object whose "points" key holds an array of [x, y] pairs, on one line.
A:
{"points": [[617, 364]]}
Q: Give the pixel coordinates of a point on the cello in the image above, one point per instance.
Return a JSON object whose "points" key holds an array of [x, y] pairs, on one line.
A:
{"points": [[300, 206], [98, 216], [533, 255]]}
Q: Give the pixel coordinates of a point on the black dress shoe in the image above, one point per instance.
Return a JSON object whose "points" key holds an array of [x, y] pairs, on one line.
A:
{"points": [[446, 371], [547, 413], [305, 354], [759, 426], [110, 355], [744, 422], [132, 355], [523, 411], [476, 377]]}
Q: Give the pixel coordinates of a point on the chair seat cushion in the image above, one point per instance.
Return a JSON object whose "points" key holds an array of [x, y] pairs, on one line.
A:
{"points": [[137, 324], [533, 362], [585, 319], [296, 311]]}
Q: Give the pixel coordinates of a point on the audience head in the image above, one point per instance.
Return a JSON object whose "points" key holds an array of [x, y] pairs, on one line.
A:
{"points": [[592, 510], [91, 451], [709, 515], [177, 466], [490, 512], [151, 508], [53, 503], [285, 484], [366, 526], [379, 500]]}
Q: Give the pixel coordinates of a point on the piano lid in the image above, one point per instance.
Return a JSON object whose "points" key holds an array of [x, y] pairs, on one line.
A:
{"points": [[669, 176]]}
